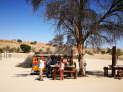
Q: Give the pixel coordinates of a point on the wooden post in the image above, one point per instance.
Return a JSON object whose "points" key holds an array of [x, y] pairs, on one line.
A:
{"points": [[71, 55], [113, 60]]}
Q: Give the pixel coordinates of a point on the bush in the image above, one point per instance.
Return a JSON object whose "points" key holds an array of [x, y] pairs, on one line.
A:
{"points": [[12, 50], [25, 48], [35, 42], [109, 50], [17, 50], [6, 48], [103, 52], [19, 40], [1, 50]]}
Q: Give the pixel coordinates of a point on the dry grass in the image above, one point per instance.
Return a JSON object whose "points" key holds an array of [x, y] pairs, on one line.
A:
{"points": [[120, 57], [102, 56], [99, 56]]}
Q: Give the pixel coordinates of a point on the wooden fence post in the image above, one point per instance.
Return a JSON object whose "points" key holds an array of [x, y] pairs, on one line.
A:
{"points": [[113, 60]]}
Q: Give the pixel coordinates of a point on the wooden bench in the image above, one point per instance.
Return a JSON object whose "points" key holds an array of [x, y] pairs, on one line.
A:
{"points": [[106, 69], [71, 72]]}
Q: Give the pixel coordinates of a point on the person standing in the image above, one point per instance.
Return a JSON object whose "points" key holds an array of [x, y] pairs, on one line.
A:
{"points": [[76, 63], [41, 67], [61, 69]]}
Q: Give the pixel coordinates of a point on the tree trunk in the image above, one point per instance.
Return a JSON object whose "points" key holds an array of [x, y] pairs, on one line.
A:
{"points": [[80, 49]]}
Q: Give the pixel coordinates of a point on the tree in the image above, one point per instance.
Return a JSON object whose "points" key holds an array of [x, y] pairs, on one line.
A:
{"points": [[19, 40], [58, 39], [87, 25], [25, 48], [109, 50], [34, 42], [1, 50]]}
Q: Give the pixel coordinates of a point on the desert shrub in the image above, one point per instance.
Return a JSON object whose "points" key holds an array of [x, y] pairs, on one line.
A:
{"points": [[25, 48], [12, 50], [89, 52], [40, 51], [35, 42], [103, 52], [1, 50], [17, 50], [109, 50], [19, 40], [7, 48]]}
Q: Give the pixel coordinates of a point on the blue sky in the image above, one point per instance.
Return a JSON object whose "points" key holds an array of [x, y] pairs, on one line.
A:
{"points": [[17, 21]]}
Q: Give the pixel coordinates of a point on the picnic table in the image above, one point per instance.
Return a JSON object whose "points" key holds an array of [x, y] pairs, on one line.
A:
{"points": [[70, 70], [117, 70]]}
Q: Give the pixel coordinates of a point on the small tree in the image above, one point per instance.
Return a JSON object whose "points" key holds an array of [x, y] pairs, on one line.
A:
{"points": [[1, 50], [17, 49], [19, 40], [33, 43], [109, 50], [25, 48], [12, 50]]}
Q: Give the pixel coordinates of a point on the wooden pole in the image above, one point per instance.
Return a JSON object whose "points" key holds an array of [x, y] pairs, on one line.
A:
{"points": [[71, 55], [113, 59]]}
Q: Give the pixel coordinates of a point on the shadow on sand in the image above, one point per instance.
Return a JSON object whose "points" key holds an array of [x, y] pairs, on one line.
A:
{"points": [[22, 75], [27, 63], [96, 73]]}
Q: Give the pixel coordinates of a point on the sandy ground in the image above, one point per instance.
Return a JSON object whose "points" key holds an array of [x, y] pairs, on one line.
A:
{"points": [[17, 79]]}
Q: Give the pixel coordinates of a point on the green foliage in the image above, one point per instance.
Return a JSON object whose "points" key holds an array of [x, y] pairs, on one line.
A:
{"points": [[25, 48], [1, 50], [14, 49], [19, 40], [109, 50], [17, 50], [103, 51], [89, 52], [35, 42]]}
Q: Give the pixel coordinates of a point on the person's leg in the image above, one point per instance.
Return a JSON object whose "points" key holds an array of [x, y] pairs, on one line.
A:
{"points": [[41, 75], [62, 74]]}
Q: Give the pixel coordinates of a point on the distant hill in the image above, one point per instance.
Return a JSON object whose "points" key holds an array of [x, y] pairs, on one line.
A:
{"points": [[38, 47], [48, 48]]}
